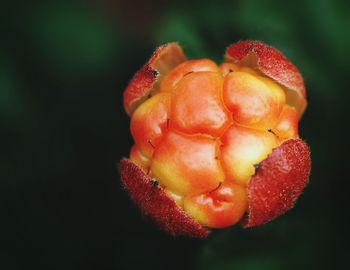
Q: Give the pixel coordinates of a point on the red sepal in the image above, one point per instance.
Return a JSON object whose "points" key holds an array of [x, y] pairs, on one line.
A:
{"points": [[154, 203], [163, 60], [278, 182]]}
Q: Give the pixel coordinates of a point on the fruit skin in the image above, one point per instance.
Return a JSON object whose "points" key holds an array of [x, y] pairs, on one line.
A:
{"points": [[139, 159], [149, 123], [253, 101], [278, 182], [187, 164], [271, 63], [169, 82], [287, 124], [219, 208], [241, 147], [197, 106], [156, 204], [279, 179]]}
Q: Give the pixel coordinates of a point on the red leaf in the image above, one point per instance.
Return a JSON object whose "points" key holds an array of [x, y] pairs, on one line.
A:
{"points": [[278, 182], [163, 60]]}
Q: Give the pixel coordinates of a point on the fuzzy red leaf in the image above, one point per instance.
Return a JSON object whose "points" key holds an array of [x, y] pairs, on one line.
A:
{"points": [[164, 59], [278, 182]]}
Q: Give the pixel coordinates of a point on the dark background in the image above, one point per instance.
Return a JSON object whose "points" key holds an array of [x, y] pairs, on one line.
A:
{"points": [[63, 68]]}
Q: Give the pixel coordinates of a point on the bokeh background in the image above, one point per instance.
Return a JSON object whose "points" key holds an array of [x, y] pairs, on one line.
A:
{"points": [[63, 67]]}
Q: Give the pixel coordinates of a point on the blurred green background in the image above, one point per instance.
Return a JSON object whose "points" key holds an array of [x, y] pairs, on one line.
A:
{"points": [[63, 68]]}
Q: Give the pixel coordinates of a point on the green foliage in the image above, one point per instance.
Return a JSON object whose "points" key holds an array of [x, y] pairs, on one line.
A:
{"points": [[10, 98], [74, 39]]}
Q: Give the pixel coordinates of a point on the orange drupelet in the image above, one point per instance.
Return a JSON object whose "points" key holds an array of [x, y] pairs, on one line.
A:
{"points": [[205, 131], [185, 68], [219, 208], [253, 101], [197, 107], [149, 123], [287, 124], [187, 165]]}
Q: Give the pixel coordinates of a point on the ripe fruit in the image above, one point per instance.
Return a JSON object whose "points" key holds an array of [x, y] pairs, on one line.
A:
{"points": [[215, 145]]}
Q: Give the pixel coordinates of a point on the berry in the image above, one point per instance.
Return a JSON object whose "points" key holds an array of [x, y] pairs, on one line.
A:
{"points": [[215, 145]]}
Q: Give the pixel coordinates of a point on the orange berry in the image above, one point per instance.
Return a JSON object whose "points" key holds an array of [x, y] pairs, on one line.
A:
{"points": [[214, 145], [187, 164]]}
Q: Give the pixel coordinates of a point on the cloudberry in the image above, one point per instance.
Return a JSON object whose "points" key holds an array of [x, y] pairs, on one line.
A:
{"points": [[220, 142]]}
